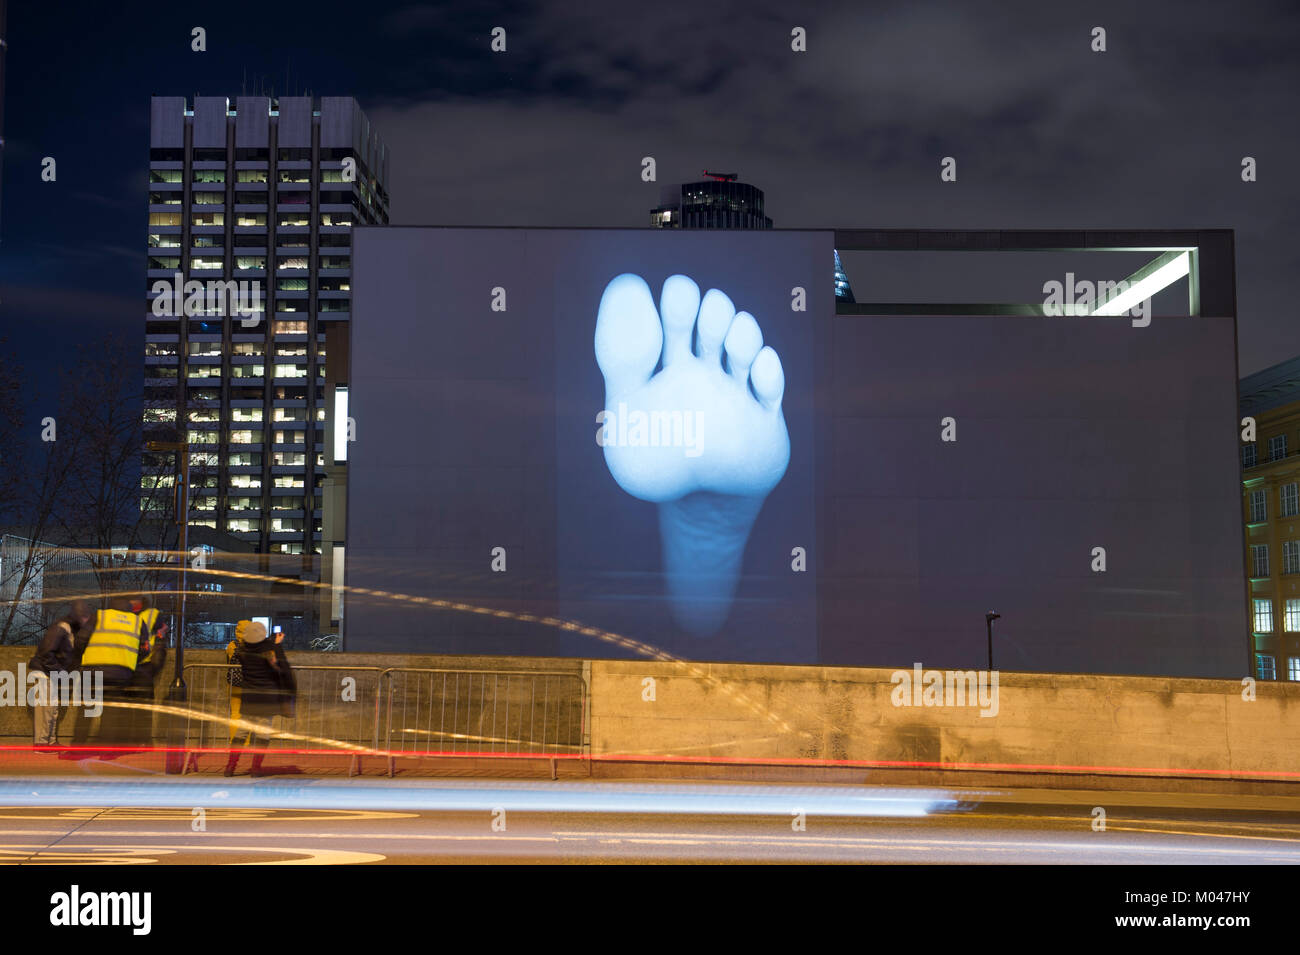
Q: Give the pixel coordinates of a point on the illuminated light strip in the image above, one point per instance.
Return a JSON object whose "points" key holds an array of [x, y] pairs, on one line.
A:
{"points": [[703, 760], [1175, 265], [844, 801]]}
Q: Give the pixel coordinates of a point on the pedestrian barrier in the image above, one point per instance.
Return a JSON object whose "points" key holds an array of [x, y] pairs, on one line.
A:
{"points": [[405, 711], [483, 712], [335, 708]]}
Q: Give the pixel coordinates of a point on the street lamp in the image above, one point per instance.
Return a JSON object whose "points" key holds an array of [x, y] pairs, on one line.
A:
{"points": [[988, 622], [176, 694]]}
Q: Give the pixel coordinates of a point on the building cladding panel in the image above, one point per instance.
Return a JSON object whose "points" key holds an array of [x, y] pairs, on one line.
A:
{"points": [[294, 128], [338, 122], [210, 113], [252, 122], [167, 122]]}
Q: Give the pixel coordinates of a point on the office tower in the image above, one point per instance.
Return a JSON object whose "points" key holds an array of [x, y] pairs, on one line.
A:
{"points": [[246, 345], [716, 202], [720, 201]]}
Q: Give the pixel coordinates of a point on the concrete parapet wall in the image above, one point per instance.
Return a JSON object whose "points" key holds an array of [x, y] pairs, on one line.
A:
{"points": [[1062, 722], [1040, 723]]}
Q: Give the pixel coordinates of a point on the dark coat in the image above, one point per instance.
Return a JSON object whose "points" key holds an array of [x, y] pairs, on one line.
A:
{"points": [[57, 651], [269, 686]]}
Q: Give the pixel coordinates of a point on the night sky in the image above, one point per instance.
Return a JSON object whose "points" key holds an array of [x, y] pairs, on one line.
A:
{"points": [[1047, 133]]}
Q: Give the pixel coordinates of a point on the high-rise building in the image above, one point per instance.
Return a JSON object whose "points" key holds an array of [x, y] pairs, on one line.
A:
{"points": [[246, 326], [721, 201], [1270, 480]]}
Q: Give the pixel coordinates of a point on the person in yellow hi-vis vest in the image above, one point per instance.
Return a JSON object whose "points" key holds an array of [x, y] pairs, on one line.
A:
{"points": [[234, 676], [114, 650], [140, 691]]}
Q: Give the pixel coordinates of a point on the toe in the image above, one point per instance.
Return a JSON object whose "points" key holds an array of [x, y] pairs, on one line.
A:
{"points": [[629, 336], [768, 378], [679, 304], [716, 313], [742, 343]]}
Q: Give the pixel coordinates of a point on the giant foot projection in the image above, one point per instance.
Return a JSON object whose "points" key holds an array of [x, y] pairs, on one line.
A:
{"points": [[692, 423]]}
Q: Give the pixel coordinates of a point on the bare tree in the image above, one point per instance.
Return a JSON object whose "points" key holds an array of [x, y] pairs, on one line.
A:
{"points": [[108, 514], [32, 485]]}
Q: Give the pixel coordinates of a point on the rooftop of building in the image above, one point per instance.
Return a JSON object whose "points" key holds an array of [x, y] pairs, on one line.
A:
{"points": [[1270, 388]]}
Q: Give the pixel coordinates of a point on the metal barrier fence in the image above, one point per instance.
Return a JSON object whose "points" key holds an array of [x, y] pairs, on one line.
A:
{"points": [[333, 706], [409, 710], [484, 712]]}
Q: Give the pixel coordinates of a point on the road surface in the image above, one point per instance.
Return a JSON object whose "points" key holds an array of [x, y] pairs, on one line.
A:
{"points": [[155, 820]]}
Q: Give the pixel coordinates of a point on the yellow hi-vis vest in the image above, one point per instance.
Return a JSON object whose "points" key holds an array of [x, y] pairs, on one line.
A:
{"points": [[115, 640], [150, 618]]}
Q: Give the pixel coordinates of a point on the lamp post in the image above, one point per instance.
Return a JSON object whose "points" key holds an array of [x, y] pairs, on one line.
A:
{"points": [[176, 695], [988, 622]]}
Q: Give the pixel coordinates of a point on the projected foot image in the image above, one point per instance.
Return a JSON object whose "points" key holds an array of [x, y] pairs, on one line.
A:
{"points": [[693, 423]]}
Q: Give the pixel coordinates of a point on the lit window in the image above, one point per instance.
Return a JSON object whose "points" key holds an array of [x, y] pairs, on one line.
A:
{"points": [[1264, 667], [1292, 619], [1291, 557], [1293, 668], [1263, 615], [1258, 506], [1259, 562]]}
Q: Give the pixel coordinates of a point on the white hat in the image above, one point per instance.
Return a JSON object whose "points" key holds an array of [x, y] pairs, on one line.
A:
{"points": [[250, 631]]}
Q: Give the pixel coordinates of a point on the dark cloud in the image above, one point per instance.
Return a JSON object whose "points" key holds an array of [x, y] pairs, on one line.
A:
{"points": [[1047, 133]]}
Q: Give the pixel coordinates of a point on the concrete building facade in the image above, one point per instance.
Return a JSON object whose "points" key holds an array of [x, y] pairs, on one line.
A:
{"points": [[1270, 479]]}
